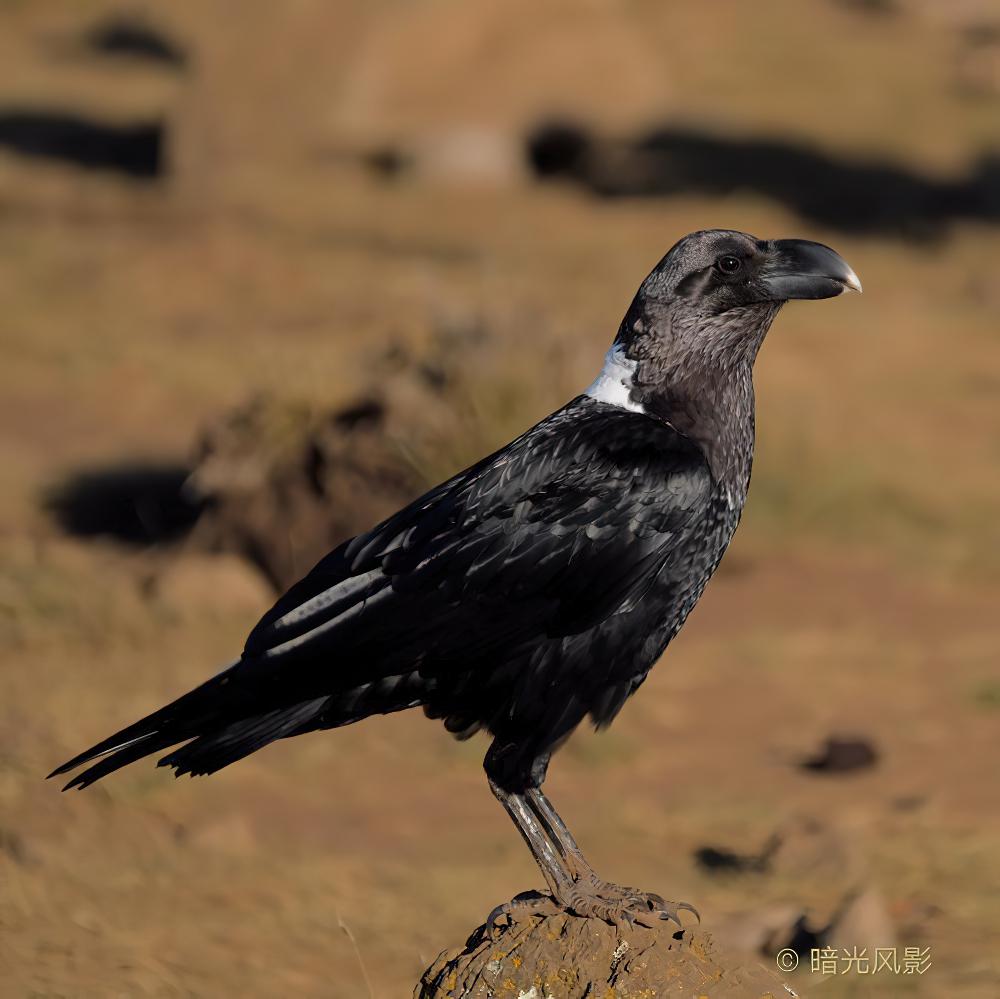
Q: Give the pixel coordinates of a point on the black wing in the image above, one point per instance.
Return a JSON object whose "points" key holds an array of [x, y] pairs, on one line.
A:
{"points": [[542, 540]]}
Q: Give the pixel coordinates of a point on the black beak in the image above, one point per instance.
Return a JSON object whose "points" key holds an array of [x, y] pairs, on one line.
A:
{"points": [[799, 268]]}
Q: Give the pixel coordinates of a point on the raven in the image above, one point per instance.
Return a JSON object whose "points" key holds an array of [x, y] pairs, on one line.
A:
{"points": [[540, 585]]}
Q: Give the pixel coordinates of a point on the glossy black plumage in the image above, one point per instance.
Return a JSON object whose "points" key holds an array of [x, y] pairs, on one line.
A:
{"points": [[540, 585], [489, 600]]}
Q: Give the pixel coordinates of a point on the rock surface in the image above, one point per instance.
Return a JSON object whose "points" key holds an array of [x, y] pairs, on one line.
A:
{"points": [[564, 957]]}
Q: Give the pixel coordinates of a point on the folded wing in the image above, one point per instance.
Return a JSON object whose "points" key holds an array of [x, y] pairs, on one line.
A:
{"points": [[544, 539]]}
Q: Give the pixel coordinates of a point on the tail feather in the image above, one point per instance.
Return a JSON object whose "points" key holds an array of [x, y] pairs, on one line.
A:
{"points": [[128, 753], [208, 706], [233, 715], [115, 742], [213, 751]]}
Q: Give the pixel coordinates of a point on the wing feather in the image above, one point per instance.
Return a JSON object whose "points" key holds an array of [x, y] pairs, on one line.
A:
{"points": [[550, 534]]}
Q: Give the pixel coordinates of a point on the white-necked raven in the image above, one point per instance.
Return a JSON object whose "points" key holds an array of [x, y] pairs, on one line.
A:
{"points": [[540, 585]]}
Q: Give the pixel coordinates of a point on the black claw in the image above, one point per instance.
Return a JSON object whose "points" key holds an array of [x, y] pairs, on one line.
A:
{"points": [[491, 920], [672, 910]]}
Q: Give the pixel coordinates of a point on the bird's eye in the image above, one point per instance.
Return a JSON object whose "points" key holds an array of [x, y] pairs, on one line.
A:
{"points": [[729, 265]]}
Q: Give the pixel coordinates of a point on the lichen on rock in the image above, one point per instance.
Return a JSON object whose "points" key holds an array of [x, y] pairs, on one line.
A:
{"points": [[561, 956]]}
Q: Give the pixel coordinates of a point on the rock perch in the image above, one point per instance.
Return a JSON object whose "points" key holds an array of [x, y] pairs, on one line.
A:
{"points": [[561, 956]]}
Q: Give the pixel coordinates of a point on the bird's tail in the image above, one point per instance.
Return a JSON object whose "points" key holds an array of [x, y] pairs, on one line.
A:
{"points": [[233, 715], [218, 723]]}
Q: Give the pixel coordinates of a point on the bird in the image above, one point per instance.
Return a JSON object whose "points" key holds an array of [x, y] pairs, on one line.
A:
{"points": [[538, 587]]}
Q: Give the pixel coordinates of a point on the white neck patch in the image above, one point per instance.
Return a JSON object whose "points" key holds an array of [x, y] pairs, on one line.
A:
{"points": [[614, 384]]}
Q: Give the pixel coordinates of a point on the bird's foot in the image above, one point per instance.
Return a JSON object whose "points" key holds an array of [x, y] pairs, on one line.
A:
{"points": [[520, 907], [624, 907], [590, 899]]}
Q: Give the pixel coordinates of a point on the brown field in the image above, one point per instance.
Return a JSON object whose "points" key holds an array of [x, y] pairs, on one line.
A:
{"points": [[861, 594]]}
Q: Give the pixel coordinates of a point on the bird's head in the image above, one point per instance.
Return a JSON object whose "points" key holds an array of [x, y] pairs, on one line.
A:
{"points": [[716, 292]]}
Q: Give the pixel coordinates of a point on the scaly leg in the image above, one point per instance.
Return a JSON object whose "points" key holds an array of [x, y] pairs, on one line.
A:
{"points": [[588, 894], [556, 876]]}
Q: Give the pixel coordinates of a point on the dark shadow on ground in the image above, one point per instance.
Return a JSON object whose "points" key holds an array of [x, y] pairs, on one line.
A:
{"points": [[137, 504], [853, 195], [842, 754], [275, 483], [135, 150], [129, 37]]}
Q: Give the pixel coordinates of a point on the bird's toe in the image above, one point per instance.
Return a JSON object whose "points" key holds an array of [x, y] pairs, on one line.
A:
{"points": [[522, 906], [625, 908]]}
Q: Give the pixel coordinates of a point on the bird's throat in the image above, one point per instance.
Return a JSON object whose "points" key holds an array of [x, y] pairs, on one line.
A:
{"points": [[716, 412]]}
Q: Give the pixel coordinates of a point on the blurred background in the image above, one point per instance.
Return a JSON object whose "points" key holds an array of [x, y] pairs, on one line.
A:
{"points": [[267, 264]]}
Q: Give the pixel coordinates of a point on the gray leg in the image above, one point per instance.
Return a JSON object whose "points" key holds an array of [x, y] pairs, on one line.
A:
{"points": [[589, 895], [571, 880], [548, 858], [571, 854]]}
